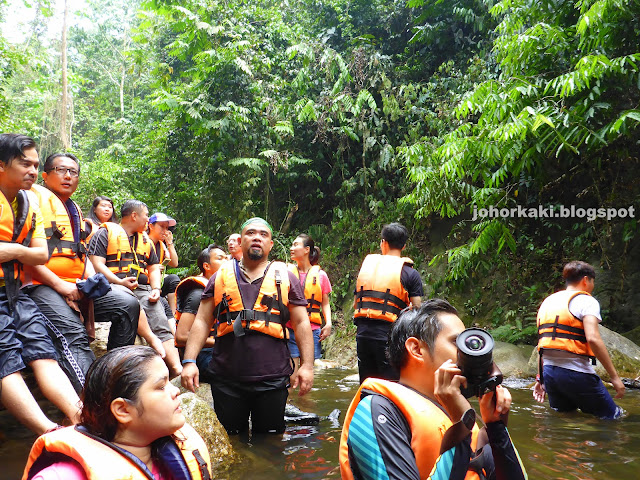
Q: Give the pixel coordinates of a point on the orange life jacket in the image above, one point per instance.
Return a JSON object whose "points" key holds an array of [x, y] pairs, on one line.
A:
{"points": [[101, 460], [15, 229], [121, 258], [66, 256], [182, 290], [558, 328], [312, 292], [428, 424], [268, 315], [90, 227], [162, 252], [379, 293]]}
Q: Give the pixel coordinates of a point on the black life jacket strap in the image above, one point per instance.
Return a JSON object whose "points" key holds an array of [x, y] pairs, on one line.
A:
{"points": [[385, 296], [202, 465], [382, 307]]}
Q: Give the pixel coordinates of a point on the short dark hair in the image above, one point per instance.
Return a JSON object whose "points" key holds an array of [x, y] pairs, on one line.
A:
{"points": [[314, 252], [205, 256], [395, 234], [96, 202], [13, 145], [422, 323], [48, 163], [574, 271], [131, 206], [119, 373]]}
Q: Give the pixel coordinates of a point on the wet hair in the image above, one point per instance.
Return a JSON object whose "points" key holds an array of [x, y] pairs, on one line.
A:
{"points": [[131, 206], [205, 256], [13, 145], [422, 323], [395, 234], [94, 205], [48, 163], [575, 271], [119, 373], [314, 252]]}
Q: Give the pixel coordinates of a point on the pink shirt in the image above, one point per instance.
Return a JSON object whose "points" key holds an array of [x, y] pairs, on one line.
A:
{"points": [[71, 470], [325, 286]]}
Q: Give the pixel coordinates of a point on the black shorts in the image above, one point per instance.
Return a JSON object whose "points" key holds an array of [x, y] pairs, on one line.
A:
{"points": [[23, 335]]}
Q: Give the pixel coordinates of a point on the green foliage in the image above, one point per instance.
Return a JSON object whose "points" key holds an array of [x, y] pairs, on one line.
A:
{"points": [[568, 92]]}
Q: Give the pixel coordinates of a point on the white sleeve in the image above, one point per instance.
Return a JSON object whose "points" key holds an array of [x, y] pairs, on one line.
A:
{"points": [[582, 305]]}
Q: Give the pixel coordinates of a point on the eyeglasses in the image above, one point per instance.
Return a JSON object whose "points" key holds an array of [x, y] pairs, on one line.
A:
{"points": [[62, 171]]}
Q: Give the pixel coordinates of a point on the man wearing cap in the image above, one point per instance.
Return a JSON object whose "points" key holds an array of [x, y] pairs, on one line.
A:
{"points": [[162, 238], [125, 255], [248, 303]]}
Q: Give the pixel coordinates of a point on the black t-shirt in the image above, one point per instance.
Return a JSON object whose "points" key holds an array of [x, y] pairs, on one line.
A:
{"points": [[189, 302], [254, 357], [100, 241], [375, 329]]}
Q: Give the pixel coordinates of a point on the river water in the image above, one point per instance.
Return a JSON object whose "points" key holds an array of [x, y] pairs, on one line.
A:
{"points": [[552, 446]]}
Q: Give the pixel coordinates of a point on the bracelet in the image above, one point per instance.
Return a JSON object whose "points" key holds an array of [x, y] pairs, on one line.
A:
{"points": [[169, 244], [188, 360], [538, 378], [155, 288]]}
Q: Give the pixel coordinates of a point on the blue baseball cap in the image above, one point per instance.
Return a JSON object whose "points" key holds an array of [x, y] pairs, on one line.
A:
{"points": [[161, 217]]}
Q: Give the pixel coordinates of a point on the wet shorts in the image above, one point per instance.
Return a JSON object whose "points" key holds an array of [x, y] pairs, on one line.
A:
{"points": [[293, 346], [569, 390], [23, 335]]}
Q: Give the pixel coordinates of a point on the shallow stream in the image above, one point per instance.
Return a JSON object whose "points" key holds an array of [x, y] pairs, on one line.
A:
{"points": [[551, 445]]}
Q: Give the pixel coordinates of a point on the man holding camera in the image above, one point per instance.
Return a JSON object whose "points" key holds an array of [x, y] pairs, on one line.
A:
{"points": [[423, 427], [569, 342]]}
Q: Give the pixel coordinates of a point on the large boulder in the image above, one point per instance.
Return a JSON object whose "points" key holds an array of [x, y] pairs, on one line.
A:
{"points": [[623, 352], [203, 419], [513, 360]]}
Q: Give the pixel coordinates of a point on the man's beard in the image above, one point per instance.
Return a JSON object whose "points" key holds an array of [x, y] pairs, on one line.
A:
{"points": [[256, 254]]}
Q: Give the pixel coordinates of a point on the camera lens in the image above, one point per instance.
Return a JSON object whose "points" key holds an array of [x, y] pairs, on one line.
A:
{"points": [[474, 343]]}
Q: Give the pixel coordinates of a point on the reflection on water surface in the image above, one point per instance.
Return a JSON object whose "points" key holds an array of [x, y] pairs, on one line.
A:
{"points": [[551, 445]]}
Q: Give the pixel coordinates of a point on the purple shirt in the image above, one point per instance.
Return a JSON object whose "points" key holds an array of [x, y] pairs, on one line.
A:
{"points": [[254, 357]]}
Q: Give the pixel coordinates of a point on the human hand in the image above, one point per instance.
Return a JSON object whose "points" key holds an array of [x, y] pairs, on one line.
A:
{"points": [[168, 237], [325, 331], [448, 379], [495, 406], [619, 386], [303, 379], [154, 296], [130, 282], [190, 376], [539, 392], [68, 290]]}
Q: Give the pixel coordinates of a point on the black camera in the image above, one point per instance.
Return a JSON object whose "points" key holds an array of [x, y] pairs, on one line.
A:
{"points": [[475, 359]]}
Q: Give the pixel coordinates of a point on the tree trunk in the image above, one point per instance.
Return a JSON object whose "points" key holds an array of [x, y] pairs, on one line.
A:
{"points": [[63, 109]]}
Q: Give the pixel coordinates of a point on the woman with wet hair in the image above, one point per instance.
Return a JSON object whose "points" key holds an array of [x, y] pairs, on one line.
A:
{"points": [[131, 427], [317, 288]]}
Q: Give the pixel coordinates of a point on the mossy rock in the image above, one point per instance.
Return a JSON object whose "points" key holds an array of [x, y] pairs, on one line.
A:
{"points": [[512, 360], [201, 416], [633, 335]]}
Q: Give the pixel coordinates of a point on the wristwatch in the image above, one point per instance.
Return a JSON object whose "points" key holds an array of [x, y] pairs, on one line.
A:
{"points": [[469, 419]]}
